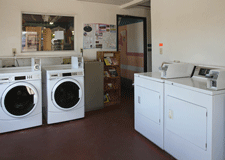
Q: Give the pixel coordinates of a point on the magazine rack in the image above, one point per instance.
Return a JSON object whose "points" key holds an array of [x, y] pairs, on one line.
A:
{"points": [[112, 78]]}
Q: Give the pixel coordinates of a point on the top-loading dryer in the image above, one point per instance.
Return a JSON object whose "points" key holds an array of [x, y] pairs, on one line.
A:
{"points": [[195, 115], [149, 99], [63, 93], [20, 98]]}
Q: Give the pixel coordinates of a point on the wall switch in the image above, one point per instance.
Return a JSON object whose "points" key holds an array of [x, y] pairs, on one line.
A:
{"points": [[160, 50], [14, 51]]}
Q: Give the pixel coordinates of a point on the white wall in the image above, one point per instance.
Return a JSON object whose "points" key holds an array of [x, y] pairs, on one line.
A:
{"points": [[191, 31], [135, 37], [85, 12]]}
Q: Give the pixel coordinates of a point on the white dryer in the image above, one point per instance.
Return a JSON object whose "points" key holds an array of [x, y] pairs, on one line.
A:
{"points": [[195, 117], [63, 93], [149, 100], [20, 98], [148, 110]]}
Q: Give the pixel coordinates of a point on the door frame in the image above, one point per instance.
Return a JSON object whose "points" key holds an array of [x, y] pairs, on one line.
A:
{"points": [[144, 36]]}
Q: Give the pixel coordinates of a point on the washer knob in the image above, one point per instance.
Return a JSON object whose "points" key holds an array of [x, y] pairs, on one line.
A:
{"points": [[36, 67]]}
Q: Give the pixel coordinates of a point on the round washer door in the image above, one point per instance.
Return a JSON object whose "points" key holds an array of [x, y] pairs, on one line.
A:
{"points": [[19, 99], [66, 94]]}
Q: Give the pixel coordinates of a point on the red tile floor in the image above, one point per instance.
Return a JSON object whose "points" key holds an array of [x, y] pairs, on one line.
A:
{"points": [[106, 134]]}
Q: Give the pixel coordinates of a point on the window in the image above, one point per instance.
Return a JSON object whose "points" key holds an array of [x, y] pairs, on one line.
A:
{"points": [[47, 32]]}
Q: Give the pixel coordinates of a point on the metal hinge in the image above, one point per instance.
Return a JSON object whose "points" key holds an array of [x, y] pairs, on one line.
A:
{"points": [[159, 96], [206, 145], [206, 114], [159, 120]]}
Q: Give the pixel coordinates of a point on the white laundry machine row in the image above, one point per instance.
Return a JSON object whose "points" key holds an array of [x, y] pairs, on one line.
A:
{"points": [[149, 100], [195, 117], [20, 98], [63, 93]]}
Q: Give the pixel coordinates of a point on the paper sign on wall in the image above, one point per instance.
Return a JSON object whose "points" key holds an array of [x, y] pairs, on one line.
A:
{"points": [[96, 35]]}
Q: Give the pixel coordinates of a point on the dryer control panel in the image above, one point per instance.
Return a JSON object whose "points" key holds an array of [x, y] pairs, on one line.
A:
{"points": [[216, 79], [201, 72], [176, 70]]}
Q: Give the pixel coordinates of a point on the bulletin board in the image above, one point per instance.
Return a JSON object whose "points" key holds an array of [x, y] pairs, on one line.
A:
{"points": [[97, 35]]}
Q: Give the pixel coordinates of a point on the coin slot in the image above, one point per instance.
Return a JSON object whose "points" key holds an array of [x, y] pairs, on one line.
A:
{"points": [[4, 79], [54, 75]]}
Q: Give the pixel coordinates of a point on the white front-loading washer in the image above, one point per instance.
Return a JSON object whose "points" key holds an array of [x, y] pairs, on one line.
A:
{"points": [[20, 98], [194, 118], [63, 93]]}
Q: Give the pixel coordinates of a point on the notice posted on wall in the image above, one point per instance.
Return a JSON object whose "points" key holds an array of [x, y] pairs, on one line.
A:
{"points": [[97, 35]]}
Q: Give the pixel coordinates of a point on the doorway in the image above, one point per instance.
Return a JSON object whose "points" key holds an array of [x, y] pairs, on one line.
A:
{"points": [[132, 44]]}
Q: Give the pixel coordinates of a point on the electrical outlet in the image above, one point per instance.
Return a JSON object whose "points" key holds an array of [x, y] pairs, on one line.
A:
{"points": [[14, 51], [81, 50]]}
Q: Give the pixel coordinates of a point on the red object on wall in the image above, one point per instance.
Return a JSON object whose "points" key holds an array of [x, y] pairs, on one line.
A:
{"points": [[160, 44]]}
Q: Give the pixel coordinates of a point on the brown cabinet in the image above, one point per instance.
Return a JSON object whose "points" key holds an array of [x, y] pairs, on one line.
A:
{"points": [[47, 37], [112, 76], [93, 81]]}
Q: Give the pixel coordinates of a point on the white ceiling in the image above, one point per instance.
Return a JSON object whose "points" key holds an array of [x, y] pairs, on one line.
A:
{"points": [[115, 2], [145, 5]]}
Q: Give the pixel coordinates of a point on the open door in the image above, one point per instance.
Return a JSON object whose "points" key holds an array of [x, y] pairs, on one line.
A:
{"points": [[132, 44]]}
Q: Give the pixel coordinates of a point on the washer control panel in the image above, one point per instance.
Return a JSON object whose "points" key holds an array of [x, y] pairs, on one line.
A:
{"points": [[7, 79], [66, 74]]}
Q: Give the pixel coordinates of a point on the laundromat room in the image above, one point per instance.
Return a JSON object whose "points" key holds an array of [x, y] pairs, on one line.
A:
{"points": [[112, 80]]}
